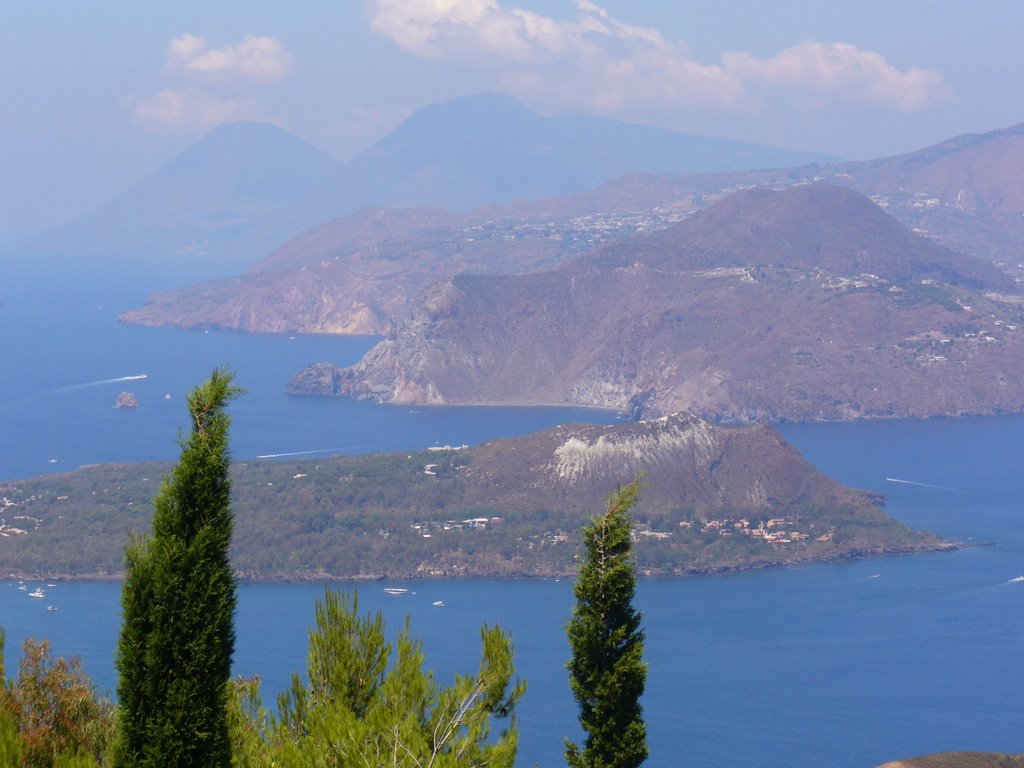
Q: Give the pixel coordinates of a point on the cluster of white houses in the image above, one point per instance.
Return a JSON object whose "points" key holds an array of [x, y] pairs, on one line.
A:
{"points": [[428, 528], [776, 530]]}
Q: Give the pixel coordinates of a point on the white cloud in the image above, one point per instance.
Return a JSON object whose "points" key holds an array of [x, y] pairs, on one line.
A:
{"points": [[597, 61], [214, 85], [193, 109], [263, 59], [819, 68]]}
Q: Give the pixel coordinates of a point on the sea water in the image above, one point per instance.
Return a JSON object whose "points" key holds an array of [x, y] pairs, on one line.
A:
{"points": [[64, 359], [843, 664]]}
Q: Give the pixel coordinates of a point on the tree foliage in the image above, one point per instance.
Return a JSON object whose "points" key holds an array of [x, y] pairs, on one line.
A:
{"points": [[607, 672], [360, 707], [177, 639], [50, 715]]}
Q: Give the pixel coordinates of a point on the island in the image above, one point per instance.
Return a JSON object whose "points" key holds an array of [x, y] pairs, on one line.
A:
{"points": [[126, 400], [714, 500]]}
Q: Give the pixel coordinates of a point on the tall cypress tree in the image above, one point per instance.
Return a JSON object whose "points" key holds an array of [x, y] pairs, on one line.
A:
{"points": [[607, 671], [178, 602]]}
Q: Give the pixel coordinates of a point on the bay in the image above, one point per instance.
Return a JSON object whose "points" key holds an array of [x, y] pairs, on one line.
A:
{"points": [[844, 664], [64, 359]]}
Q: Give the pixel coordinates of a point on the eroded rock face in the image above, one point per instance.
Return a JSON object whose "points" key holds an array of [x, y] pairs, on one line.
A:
{"points": [[662, 441]]}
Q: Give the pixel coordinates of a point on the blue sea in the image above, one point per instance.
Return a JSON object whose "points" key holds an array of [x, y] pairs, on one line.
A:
{"points": [[844, 665]]}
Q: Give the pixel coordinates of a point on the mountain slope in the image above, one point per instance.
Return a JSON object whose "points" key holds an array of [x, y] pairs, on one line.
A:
{"points": [[810, 303], [965, 192], [353, 275], [230, 197], [713, 499]]}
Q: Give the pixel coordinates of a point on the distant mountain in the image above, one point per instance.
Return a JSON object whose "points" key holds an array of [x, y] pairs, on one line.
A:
{"points": [[229, 198], [809, 303], [247, 187], [491, 149], [713, 500]]}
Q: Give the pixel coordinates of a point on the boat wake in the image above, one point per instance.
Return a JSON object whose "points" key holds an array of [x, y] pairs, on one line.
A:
{"points": [[297, 453], [97, 383], [1016, 580], [74, 388], [918, 484]]}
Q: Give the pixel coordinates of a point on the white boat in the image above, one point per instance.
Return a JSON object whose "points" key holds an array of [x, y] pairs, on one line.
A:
{"points": [[438, 603], [38, 593], [51, 607], [396, 591], [1017, 579], [22, 587]]}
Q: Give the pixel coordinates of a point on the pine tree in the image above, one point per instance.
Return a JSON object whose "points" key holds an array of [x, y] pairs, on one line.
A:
{"points": [[607, 672], [359, 709], [178, 602]]}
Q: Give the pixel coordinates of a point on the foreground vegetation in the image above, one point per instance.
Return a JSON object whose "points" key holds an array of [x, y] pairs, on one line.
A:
{"points": [[363, 700]]}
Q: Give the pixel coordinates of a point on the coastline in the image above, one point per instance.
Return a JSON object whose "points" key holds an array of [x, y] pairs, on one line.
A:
{"points": [[645, 573]]}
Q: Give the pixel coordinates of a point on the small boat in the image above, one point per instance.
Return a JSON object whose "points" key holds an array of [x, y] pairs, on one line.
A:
{"points": [[51, 607], [396, 591], [51, 585], [1017, 579], [38, 593], [438, 603], [22, 587]]}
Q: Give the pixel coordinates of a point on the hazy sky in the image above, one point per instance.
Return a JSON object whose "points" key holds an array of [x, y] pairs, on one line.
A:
{"points": [[96, 95]]}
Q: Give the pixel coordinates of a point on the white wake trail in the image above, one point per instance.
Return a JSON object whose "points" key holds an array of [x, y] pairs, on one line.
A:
{"points": [[919, 485], [97, 383], [72, 388], [296, 453]]}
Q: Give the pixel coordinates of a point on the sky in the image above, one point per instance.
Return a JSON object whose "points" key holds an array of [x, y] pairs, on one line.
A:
{"points": [[97, 95]]}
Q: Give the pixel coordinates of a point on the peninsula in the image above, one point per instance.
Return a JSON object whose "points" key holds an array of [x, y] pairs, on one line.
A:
{"points": [[810, 303]]}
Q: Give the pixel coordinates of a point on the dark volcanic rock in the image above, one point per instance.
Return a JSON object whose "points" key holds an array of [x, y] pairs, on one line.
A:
{"points": [[320, 379]]}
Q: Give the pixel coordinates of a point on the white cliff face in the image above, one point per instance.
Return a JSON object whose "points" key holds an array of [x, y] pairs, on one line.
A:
{"points": [[665, 441]]}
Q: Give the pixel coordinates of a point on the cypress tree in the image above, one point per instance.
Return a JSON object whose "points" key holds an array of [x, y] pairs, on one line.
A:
{"points": [[178, 603], [607, 672]]}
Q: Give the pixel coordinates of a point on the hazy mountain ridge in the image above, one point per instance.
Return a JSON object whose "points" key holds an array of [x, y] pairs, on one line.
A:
{"points": [[489, 148], [433, 513], [804, 304], [246, 188]]}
